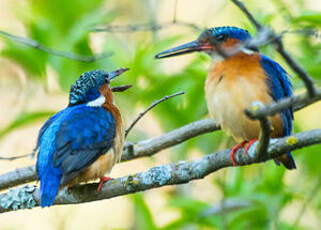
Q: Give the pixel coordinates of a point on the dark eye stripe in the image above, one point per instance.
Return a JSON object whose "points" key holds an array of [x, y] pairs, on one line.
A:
{"points": [[221, 37]]}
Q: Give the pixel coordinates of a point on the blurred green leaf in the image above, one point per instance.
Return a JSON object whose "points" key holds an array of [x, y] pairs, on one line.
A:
{"points": [[23, 119], [313, 18], [143, 216]]}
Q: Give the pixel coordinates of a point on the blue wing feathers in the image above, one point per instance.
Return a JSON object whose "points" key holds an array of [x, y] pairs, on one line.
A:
{"points": [[69, 142], [280, 87]]}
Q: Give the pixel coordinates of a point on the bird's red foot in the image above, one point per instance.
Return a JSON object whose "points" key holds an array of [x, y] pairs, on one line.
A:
{"points": [[103, 180], [234, 150], [249, 144]]}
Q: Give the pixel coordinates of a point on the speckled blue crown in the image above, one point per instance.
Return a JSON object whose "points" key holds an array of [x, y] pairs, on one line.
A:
{"points": [[230, 31], [86, 87]]}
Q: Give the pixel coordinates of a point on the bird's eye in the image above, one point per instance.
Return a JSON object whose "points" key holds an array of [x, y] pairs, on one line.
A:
{"points": [[221, 37]]}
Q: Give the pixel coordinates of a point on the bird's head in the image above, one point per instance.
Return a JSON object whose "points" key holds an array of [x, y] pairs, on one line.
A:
{"points": [[225, 38], [93, 88]]}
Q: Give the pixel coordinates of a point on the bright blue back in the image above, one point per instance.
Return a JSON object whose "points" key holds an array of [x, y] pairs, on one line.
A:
{"points": [[69, 142]]}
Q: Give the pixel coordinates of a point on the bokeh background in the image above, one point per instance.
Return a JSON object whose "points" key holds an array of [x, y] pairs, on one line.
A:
{"points": [[35, 84]]}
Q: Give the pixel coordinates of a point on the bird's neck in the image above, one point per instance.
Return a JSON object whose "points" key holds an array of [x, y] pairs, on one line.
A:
{"points": [[109, 106], [240, 61], [120, 130]]}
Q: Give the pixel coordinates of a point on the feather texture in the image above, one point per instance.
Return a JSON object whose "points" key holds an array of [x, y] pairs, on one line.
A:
{"points": [[236, 83], [76, 138], [280, 87]]}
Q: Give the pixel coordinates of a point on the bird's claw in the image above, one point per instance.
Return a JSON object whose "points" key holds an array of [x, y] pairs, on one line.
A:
{"points": [[248, 146], [234, 150], [239, 146], [103, 180]]}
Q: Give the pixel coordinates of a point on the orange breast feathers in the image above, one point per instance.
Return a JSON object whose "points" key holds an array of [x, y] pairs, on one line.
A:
{"points": [[233, 85]]}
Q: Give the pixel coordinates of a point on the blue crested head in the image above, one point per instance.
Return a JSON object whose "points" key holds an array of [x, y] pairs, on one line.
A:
{"points": [[86, 88], [226, 37], [225, 32]]}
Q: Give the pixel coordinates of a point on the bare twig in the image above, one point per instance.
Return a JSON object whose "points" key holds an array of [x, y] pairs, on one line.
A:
{"points": [[171, 174], [129, 28], [297, 68], [280, 48], [229, 205], [149, 108], [15, 157], [243, 8], [175, 11], [37, 45], [131, 151]]}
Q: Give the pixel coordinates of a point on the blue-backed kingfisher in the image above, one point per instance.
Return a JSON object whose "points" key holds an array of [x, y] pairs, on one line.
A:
{"points": [[83, 141], [235, 82]]}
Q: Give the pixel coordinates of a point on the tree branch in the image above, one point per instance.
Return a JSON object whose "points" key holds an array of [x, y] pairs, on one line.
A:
{"points": [[59, 53], [264, 137], [170, 174], [298, 102], [131, 151]]}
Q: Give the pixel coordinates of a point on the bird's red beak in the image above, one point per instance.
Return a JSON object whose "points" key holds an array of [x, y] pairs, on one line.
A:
{"points": [[184, 49]]}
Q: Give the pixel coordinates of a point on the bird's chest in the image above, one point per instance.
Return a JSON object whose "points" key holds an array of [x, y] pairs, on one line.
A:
{"points": [[228, 94]]}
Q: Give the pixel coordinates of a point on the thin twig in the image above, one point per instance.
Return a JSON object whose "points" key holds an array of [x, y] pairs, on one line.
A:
{"points": [[175, 11], [280, 48], [248, 14], [229, 205], [129, 28], [297, 68], [149, 108], [38, 46], [170, 174], [15, 158]]}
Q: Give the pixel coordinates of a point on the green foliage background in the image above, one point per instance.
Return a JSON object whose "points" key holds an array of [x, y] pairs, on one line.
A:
{"points": [[67, 26]]}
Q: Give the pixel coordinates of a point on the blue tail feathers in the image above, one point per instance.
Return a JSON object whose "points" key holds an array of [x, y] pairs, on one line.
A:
{"points": [[49, 188]]}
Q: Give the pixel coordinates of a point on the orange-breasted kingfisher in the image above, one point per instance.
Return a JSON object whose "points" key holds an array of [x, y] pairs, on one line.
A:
{"points": [[83, 141], [237, 81]]}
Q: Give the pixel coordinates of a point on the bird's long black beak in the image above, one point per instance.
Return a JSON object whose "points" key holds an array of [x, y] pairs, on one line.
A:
{"points": [[116, 73], [182, 49], [120, 88]]}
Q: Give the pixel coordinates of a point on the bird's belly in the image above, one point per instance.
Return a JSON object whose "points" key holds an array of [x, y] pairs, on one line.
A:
{"points": [[226, 103], [96, 170]]}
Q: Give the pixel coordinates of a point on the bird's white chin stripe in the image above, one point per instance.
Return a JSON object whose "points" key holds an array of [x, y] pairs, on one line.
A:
{"points": [[247, 51], [97, 102]]}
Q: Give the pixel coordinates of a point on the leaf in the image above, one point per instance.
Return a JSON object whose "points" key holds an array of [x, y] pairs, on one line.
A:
{"points": [[143, 216], [313, 18]]}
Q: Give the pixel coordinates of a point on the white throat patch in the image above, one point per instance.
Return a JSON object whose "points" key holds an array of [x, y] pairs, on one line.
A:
{"points": [[97, 102], [217, 58], [247, 51]]}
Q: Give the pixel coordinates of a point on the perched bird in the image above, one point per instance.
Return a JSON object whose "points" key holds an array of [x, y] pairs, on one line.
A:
{"points": [[234, 82], [83, 141]]}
